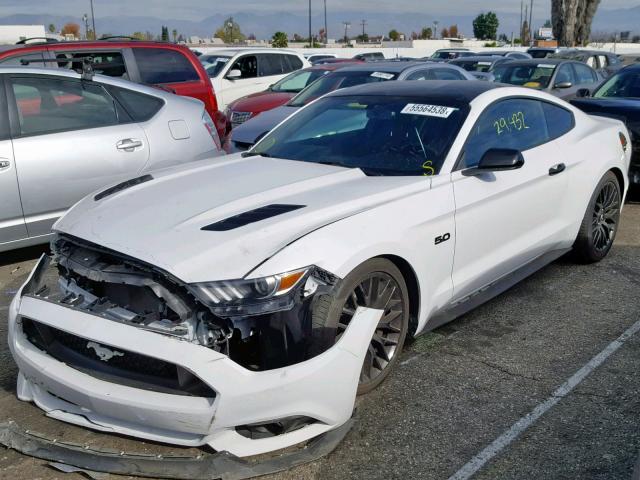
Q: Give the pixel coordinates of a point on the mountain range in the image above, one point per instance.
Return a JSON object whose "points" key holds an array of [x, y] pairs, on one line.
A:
{"points": [[264, 25]]}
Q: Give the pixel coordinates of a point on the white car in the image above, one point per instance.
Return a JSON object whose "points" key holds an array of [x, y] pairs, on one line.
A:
{"points": [[237, 73], [63, 136], [254, 297]]}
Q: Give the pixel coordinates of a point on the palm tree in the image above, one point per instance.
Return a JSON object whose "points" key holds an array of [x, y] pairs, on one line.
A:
{"points": [[571, 20]]}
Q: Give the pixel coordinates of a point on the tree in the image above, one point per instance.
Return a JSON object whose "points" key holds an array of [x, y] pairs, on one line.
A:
{"points": [[52, 28], [453, 31], [139, 36], [485, 26], [230, 31], [297, 37], [363, 38], [174, 32], [394, 35], [91, 35], [71, 29], [444, 33], [279, 40], [164, 36], [525, 34], [426, 33], [571, 20]]}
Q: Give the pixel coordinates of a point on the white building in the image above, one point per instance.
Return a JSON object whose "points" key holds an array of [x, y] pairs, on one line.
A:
{"points": [[10, 34]]}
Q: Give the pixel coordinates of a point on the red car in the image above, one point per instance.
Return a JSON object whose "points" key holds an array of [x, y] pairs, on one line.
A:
{"points": [[165, 65], [277, 94]]}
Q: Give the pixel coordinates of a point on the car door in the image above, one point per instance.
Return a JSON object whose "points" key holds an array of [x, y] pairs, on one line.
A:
{"points": [[585, 76], [70, 138], [505, 219], [247, 83], [564, 82], [12, 225]]}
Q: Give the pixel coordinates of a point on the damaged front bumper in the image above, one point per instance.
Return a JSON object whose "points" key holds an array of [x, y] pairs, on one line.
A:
{"points": [[319, 392], [223, 466]]}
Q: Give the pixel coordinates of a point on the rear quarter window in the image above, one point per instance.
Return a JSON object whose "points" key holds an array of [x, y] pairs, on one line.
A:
{"points": [[559, 120], [17, 60], [139, 106], [159, 65]]}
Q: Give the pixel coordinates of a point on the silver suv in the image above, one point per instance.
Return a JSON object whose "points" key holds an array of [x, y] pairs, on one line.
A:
{"points": [[63, 136]]}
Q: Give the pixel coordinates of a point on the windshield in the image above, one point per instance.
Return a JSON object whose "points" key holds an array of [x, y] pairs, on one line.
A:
{"points": [[213, 64], [337, 80], [621, 85], [533, 76], [539, 53], [295, 82], [382, 135], [445, 55]]}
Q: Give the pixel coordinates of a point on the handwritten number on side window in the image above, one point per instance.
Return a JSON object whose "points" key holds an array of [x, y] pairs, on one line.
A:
{"points": [[429, 171], [515, 123]]}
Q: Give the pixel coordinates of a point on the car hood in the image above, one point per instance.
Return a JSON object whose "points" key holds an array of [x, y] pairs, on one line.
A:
{"points": [[624, 109], [160, 221], [254, 128], [261, 101]]}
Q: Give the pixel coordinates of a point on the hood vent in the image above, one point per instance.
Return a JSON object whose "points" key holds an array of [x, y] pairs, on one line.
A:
{"points": [[251, 216], [122, 186]]}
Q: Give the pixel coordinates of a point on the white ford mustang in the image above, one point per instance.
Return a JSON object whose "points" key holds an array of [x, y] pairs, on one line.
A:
{"points": [[243, 304]]}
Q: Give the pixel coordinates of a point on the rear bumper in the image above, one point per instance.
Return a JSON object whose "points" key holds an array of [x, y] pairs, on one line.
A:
{"points": [[322, 388]]}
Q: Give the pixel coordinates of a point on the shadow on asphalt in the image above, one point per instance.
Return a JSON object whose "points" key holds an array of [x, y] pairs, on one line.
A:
{"points": [[22, 254]]}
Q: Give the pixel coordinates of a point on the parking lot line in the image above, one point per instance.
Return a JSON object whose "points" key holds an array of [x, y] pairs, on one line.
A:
{"points": [[477, 462]]}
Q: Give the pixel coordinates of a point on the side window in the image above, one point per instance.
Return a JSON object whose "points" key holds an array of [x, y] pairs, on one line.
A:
{"points": [[516, 123], [161, 65], [296, 63], [602, 61], [584, 74], [105, 63], [559, 120], [565, 74], [248, 66], [17, 60], [591, 61], [272, 64], [47, 105], [139, 106], [424, 74], [447, 74]]}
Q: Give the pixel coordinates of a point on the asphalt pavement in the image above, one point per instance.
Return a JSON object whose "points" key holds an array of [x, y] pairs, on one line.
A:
{"points": [[463, 387]]}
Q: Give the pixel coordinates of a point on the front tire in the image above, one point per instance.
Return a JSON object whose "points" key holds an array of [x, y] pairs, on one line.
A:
{"points": [[378, 284], [600, 223]]}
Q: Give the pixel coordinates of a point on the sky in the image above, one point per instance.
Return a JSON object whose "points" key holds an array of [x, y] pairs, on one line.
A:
{"points": [[198, 9]]}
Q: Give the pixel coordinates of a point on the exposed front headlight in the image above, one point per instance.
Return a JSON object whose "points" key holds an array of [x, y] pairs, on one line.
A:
{"points": [[250, 296]]}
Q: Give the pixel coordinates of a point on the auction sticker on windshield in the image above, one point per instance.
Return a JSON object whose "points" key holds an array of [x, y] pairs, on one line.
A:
{"points": [[383, 75], [428, 110]]}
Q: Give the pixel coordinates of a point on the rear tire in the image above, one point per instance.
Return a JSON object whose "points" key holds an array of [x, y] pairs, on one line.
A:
{"points": [[376, 283], [600, 223]]}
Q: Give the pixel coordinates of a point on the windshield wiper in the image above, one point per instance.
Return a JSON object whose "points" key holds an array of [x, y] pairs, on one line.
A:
{"points": [[254, 154]]}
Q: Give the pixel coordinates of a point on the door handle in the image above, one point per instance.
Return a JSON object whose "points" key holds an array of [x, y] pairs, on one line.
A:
{"points": [[556, 169], [128, 144]]}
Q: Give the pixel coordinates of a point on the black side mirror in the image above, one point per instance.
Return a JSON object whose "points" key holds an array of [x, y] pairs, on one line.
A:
{"points": [[497, 160], [583, 92], [563, 85]]}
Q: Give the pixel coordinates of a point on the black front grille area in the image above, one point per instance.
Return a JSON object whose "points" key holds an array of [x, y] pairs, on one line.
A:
{"points": [[251, 216], [124, 367]]}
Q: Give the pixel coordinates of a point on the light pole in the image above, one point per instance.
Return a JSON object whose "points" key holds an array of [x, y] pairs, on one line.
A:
{"points": [[346, 25], [85, 19], [326, 31], [93, 22], [435, 29], [230, 25], [310, 38]]}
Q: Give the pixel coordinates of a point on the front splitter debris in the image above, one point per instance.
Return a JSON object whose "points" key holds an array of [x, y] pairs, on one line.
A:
{"points": [[222, 465]]}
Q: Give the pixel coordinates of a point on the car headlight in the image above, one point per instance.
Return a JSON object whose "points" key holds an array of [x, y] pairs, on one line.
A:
{"points": [[254, 296]]}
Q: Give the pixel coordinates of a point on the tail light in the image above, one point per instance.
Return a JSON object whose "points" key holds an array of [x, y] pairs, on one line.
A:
{"points": [[211, 128], [623, 141]]}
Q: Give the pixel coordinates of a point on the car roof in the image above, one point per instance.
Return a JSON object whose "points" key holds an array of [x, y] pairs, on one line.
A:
{"points": [[538, 61], [448, 91], [389, 66], [478, 58]]}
